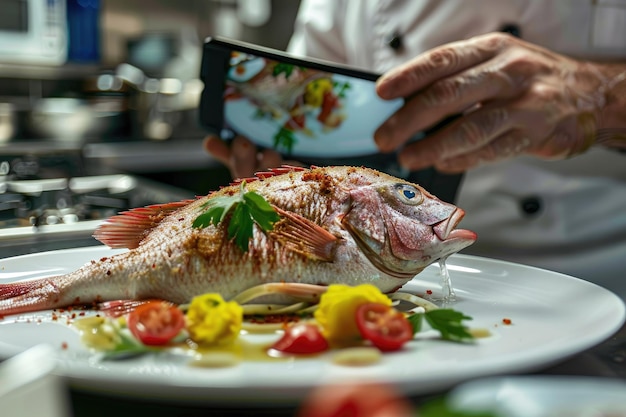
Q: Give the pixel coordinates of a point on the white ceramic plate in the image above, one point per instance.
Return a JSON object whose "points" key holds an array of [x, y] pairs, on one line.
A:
{"points": [[542, 396], [552, 317]]}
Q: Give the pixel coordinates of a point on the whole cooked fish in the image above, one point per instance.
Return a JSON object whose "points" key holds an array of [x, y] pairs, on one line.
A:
{"points": [[337, 225]]}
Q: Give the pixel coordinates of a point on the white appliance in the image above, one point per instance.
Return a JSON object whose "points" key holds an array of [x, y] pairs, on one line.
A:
{"points": [[33, 32]]}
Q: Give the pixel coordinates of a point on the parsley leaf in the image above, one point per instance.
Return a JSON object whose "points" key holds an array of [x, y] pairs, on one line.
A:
{"points": [[284, 68], [240, 226], [416, 322], [285, 139], [247, 209], [342, 87], [217, 209], [262, 211], [448, 322], [444, 320], [439, 407]]}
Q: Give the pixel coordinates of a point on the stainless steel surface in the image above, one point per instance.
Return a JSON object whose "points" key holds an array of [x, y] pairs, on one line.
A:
{"points": [[141, 157], [16, 241], [44, 72]]}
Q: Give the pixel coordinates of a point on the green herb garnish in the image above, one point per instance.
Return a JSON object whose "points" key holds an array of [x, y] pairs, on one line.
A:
{"points": [[127, 347], [438, 407], [342, 88], [284, 68], [444, 320], [247, 209], [285, 139]]}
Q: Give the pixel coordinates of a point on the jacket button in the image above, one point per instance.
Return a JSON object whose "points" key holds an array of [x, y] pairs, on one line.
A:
{"points": [[395, 41], [531, 205], [512, 29]]}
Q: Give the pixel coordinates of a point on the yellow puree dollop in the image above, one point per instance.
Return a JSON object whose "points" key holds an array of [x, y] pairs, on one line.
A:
{"points": [[211, 320], [337, 310]]}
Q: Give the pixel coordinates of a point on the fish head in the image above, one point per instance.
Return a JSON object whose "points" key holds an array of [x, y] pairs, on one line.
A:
{"points": [[401, 228]]}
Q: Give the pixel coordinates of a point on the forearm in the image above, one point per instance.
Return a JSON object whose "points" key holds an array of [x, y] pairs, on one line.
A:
{"points": [[612, 127]]}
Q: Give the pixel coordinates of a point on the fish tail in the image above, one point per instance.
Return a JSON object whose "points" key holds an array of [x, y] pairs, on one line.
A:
{"points": [[22, 297]]}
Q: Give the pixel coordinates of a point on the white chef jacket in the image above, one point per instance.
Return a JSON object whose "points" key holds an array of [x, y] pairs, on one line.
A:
{"points": [[568, 216]]}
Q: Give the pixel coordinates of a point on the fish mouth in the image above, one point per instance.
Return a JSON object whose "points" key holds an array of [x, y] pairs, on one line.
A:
{"points": [[446, 229]]}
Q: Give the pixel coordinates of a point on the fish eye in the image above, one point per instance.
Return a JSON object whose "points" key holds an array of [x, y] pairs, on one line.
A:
{"points": [[409, 194]]}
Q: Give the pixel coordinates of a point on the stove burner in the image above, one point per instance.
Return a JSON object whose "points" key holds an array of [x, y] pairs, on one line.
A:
{"points": [[54, 201], [46, 214]]}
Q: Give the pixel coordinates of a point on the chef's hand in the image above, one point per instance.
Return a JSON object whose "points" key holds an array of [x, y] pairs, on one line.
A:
{"points": [[241, 157], [513, 97]]}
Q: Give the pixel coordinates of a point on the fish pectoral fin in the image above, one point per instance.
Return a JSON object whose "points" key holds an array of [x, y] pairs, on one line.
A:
{"points": [[128, 229], [304, 236]]}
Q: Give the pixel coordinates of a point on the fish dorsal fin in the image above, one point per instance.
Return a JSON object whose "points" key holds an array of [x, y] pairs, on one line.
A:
{"points": [[304, 236], [271, 172], [127, 229]]}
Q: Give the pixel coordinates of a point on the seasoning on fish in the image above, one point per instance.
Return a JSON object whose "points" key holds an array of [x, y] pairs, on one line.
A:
{"points": [[348, 225]]}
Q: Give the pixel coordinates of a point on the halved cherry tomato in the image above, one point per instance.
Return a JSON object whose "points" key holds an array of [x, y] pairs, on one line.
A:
{"points": [[356, 399], [156, 322], [385, 327], [302, 338]]}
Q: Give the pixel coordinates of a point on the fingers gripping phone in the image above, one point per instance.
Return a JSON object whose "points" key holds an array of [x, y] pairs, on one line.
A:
{"points": [[299, 107]]}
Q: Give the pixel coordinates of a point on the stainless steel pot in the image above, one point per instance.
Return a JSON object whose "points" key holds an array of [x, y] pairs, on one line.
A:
{"points": [[72, 120]]}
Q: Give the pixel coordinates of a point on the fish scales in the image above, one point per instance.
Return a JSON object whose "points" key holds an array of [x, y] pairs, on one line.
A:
{"points": [[349, 225]]}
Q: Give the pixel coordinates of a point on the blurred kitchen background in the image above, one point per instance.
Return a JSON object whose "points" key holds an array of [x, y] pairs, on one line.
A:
{"points": [[98, 108]]}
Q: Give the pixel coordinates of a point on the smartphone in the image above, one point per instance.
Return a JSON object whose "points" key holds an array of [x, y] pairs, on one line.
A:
{"points": [[299, 107]]}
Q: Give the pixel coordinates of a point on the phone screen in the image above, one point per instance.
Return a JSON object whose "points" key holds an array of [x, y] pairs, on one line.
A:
{"points": [[304, 108]]}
